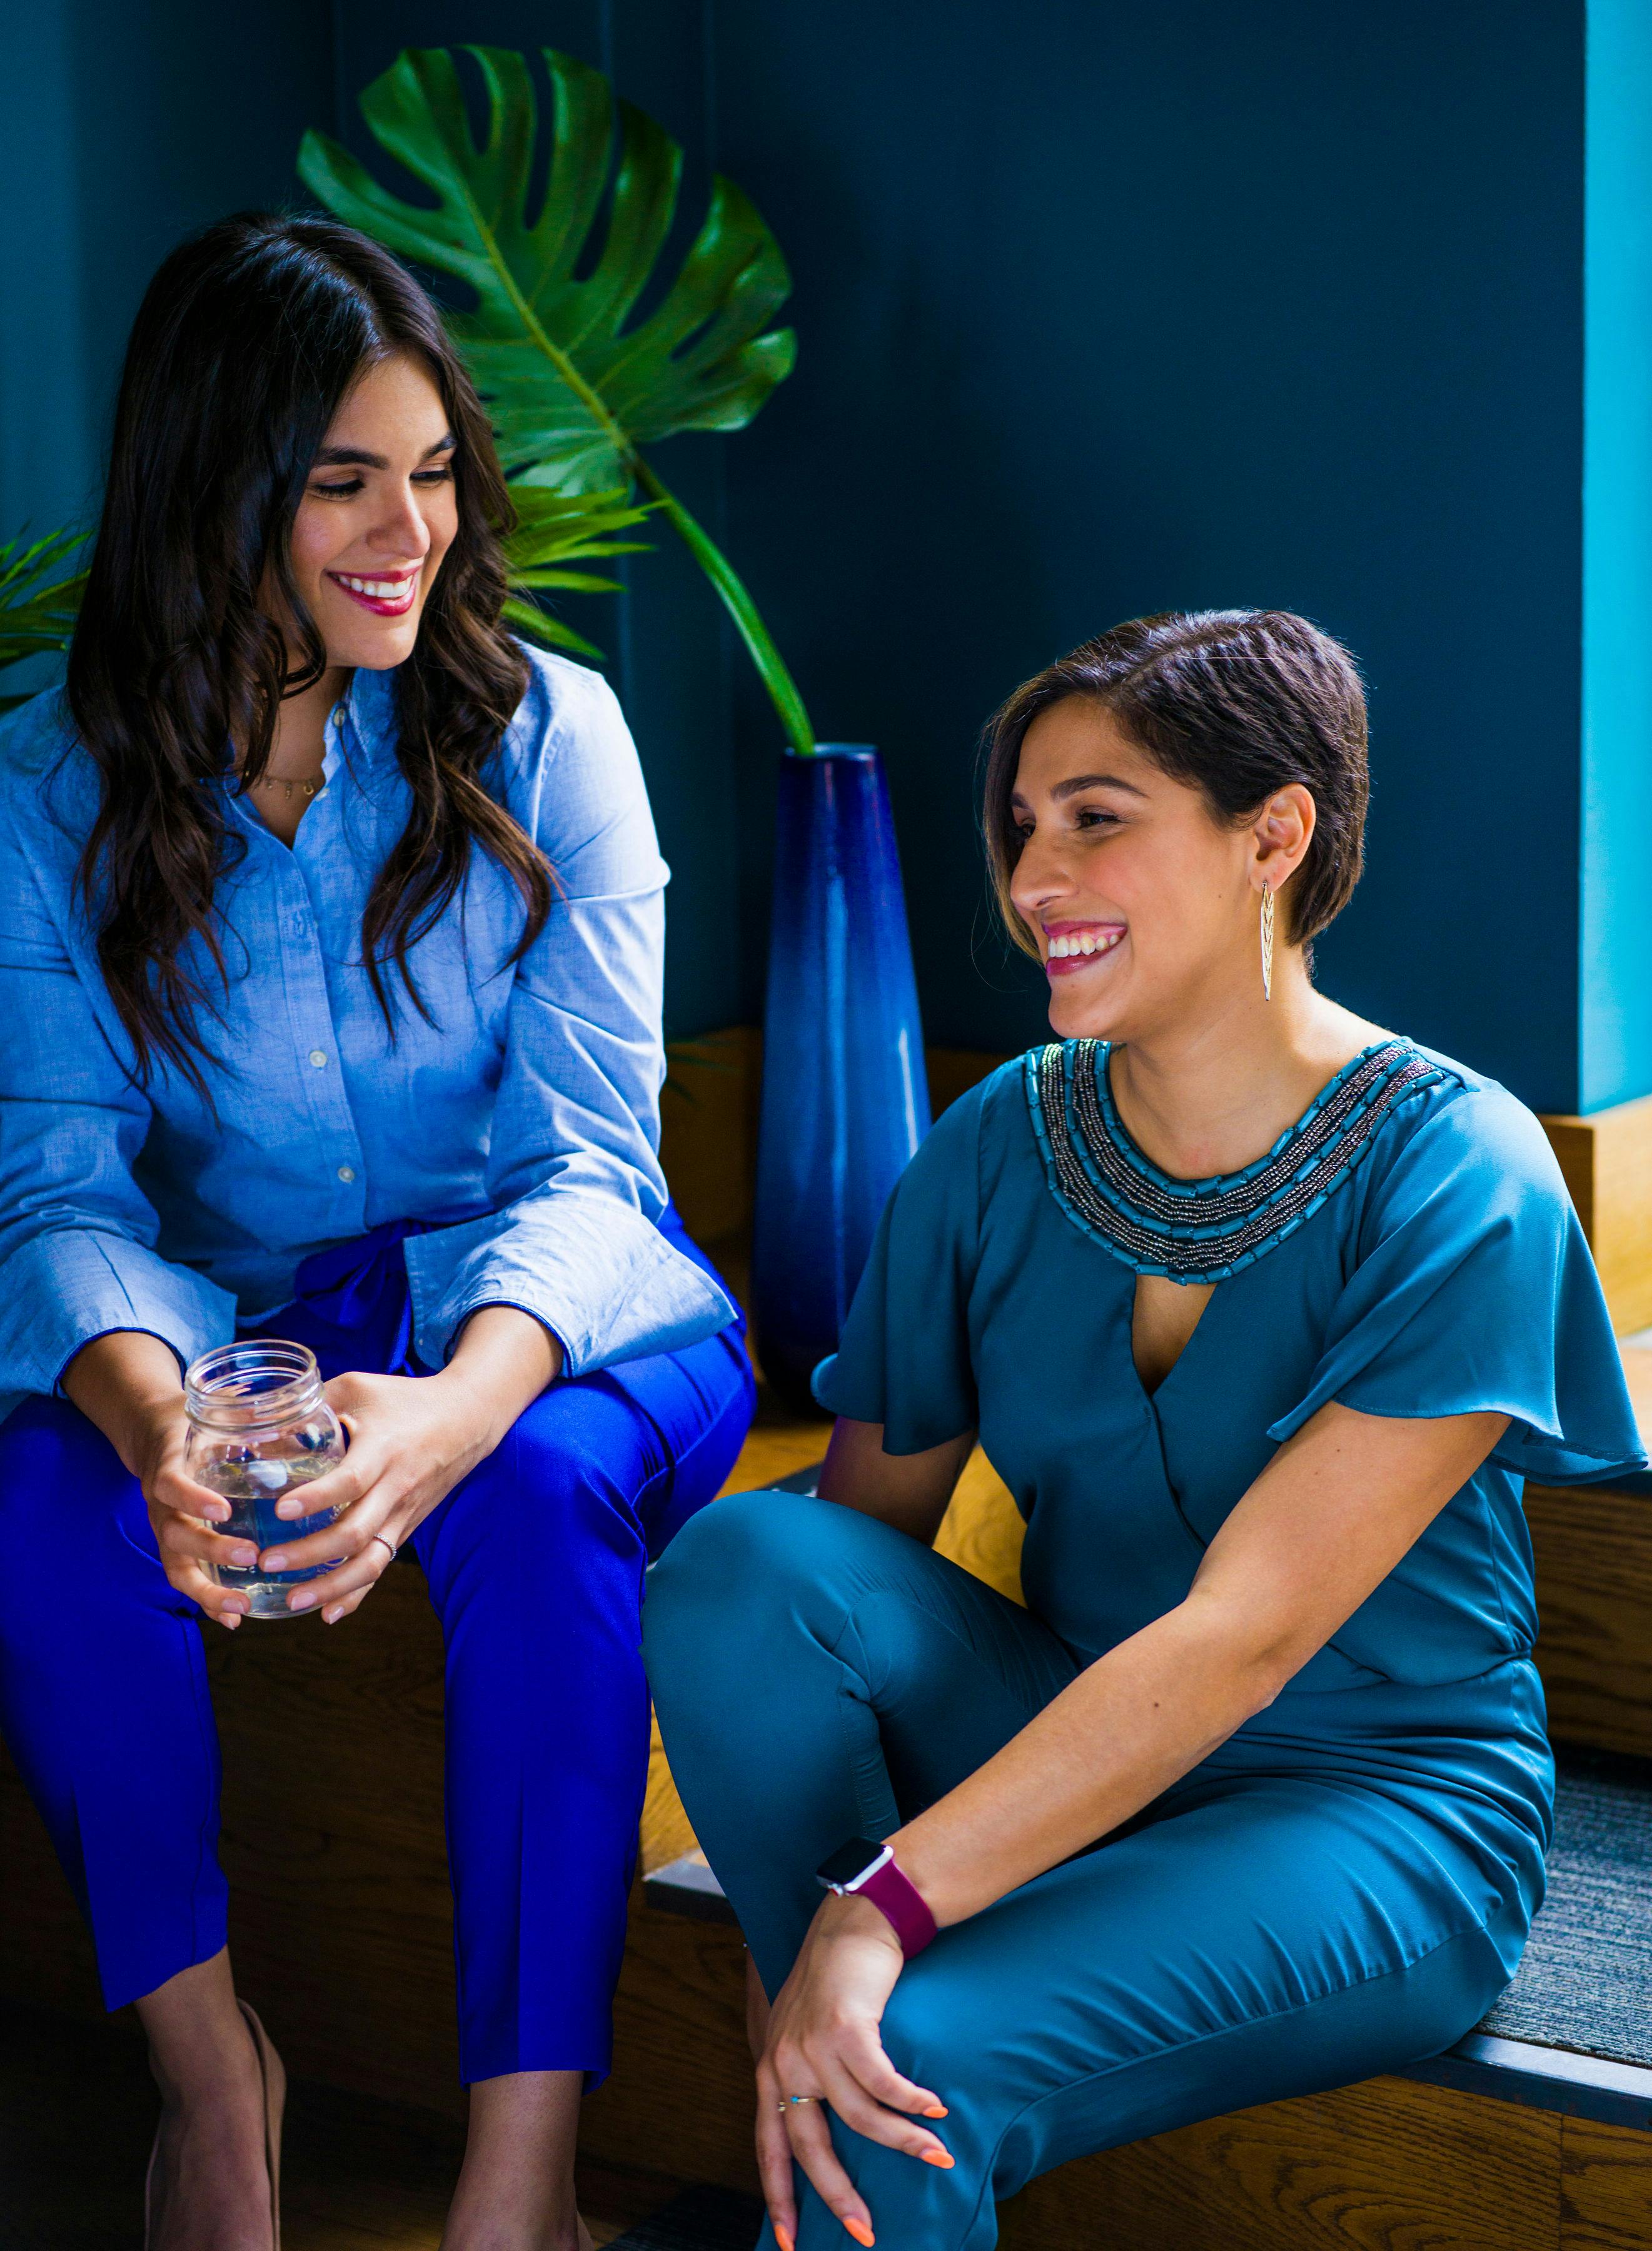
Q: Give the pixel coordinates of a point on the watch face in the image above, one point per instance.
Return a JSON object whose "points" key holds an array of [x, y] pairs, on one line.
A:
{"points": [[848, 1861]]}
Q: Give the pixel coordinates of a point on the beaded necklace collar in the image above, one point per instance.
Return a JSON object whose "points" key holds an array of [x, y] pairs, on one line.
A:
{"points": [[1203, 1230]]}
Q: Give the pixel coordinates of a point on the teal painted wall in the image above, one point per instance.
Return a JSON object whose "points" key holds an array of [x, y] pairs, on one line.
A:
{"points": [[1101, 309], [123, 123], [1109, 309], [1615, 963]]}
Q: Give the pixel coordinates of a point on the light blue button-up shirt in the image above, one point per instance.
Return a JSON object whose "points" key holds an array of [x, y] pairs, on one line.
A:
{"points": [[530, 1108]]}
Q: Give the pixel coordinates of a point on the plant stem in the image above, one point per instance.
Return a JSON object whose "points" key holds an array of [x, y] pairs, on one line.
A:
{"points": [[771, 666]]}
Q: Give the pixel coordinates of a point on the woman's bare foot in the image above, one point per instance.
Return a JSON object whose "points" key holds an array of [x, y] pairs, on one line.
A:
{"points": [[210, 2187]]}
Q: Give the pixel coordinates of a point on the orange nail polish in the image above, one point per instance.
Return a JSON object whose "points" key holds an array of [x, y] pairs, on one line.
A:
{"points": [[782, 2238], [942, 2157], [937, 2110], [861, 2233]]}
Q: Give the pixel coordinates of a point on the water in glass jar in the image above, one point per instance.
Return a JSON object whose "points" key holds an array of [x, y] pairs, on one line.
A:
{"points": [[251, 1488], [260, 1427]]}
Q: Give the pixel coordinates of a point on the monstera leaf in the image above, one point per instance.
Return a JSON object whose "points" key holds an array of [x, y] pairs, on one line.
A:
{"points": [[38, 598], [575, 383], [553, 531]]}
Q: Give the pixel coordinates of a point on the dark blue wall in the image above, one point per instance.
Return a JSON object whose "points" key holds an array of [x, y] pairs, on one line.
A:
{"points": [[124, 123], [1110, 310], [1101, 309]]}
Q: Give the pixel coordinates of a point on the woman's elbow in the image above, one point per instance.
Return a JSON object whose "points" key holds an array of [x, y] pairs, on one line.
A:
{"points": [[1253, 1662]]}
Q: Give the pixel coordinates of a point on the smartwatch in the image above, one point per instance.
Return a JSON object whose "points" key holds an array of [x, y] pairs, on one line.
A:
{"points": [[865, 1869]]}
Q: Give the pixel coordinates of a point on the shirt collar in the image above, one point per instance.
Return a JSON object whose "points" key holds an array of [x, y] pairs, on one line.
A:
{"points": [[368, 709]]}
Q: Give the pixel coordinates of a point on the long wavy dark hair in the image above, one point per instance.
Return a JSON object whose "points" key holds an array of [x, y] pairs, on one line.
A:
{"points": [[250, 337]]}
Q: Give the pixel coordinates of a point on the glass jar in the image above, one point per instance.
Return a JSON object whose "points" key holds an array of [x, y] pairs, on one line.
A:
{"points": [[259, 1426]]}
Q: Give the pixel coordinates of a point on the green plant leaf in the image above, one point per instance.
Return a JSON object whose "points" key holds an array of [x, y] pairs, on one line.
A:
{"points": [[39, 596], [575, 383], [553, 531], [538, 625], [703, 359]]}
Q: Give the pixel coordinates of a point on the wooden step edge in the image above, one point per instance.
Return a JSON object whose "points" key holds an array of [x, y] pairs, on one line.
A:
{"points": [[1553, 2079], [687, 1887], [1558, 2079]]}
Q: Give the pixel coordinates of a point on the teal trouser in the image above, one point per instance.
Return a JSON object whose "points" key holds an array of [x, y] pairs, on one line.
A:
{"points": [[1302, 1910]]}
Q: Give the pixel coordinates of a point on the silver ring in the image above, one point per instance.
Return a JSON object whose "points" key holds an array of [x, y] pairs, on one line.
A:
{"points": [[382, 1542]]}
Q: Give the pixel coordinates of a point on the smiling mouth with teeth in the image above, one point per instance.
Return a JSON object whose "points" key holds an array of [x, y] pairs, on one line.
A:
{"points": [[385, 598], [1072, 949]]}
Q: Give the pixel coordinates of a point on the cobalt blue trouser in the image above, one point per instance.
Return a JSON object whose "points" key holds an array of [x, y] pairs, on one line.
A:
{"points": [[1341, 1893], [534, 1563]]}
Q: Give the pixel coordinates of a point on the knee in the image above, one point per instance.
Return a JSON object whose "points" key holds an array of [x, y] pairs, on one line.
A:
{"points": [[756, 1575], [538, 1500], [703, 1585], [930, 2021], [747, 1540]]}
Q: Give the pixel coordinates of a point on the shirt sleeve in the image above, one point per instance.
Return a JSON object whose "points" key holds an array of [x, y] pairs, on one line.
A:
{"points": [[904, 1359], [573, 1170], [1475, 1293], [77, 1233]]}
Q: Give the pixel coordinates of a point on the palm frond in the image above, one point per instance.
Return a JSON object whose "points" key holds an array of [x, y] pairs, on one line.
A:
{"points": [[39, 597]]}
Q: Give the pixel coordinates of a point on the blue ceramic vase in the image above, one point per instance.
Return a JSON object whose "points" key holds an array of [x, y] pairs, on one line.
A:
{"points": [[845, 1098]]}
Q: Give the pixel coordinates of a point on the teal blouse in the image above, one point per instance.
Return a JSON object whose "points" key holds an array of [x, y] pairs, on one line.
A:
{"points": [[1408, 1248]]}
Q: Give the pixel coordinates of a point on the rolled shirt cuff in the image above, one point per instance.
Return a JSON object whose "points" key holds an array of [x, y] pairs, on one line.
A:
{"points": [[60, 1290], [600, 1276]]}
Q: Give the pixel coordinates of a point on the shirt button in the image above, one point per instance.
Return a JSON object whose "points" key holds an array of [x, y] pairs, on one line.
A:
{"points": [[318, 1057], [347, 1173]]}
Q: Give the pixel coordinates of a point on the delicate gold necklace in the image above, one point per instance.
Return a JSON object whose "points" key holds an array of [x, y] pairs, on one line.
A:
{"points": [[276, 781]]}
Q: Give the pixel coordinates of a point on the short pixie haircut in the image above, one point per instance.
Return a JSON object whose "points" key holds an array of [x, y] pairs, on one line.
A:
{"points": [[1235, 704]]}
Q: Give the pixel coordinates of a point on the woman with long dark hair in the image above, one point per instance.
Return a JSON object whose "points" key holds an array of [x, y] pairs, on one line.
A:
{"points": [[1263, 1313], [331, 942]]}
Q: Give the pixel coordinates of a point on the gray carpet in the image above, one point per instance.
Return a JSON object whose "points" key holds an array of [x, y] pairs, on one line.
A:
{"points": [[699, 2220], [1585, 1982]]}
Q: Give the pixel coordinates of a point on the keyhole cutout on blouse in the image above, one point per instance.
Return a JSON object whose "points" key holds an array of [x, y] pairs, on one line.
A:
{"points": [[1162, 1323]]}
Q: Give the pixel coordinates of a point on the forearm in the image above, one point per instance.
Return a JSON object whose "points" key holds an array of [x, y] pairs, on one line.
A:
{"points": [[503, 1359], [121, 1381], [907, 1491], [1128, 1726]]}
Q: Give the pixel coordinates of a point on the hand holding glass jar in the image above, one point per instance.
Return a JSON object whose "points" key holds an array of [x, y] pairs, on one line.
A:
{"points": [[259, 1431]]}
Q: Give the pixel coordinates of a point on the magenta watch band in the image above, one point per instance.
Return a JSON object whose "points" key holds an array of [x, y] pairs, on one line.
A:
{"points": [[897, 1898]]}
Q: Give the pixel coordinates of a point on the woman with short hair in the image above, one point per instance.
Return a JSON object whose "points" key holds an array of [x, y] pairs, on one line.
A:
{"points": [[1263, 1313], [331, 926]]}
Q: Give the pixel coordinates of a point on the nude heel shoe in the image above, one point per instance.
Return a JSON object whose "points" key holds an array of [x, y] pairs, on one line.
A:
{"points": [[272, 2073]]}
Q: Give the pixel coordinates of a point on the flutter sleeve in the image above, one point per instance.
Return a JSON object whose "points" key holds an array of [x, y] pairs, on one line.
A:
{"points": [[904, 1358], [1475, 1293]]}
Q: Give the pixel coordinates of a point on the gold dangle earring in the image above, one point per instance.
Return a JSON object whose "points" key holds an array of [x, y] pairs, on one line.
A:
{"points": [[1267, 942]]}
